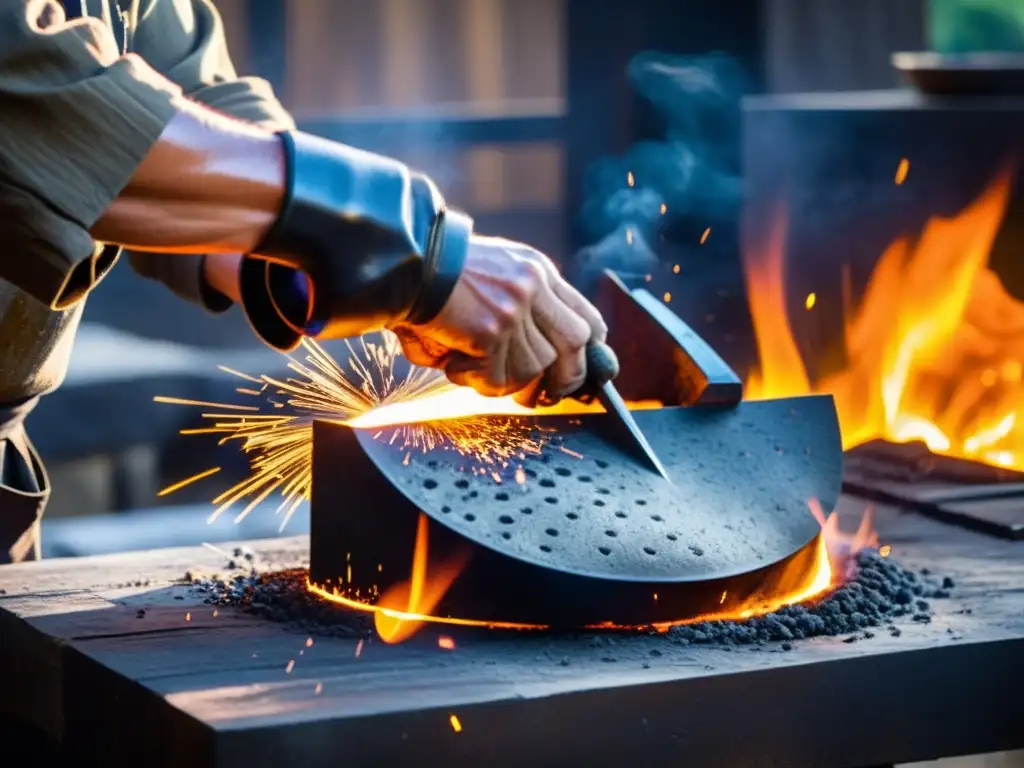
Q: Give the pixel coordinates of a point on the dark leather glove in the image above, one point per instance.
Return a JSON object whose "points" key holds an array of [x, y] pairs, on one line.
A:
{"points": [[375, 240]]}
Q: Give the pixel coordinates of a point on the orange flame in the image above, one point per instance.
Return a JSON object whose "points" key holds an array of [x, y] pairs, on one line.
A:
{"points": [[935, 347], [407, 604], [405, 608]]}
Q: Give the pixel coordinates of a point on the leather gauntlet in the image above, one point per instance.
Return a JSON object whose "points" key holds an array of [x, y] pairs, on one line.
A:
{"points": [[374, 239]]}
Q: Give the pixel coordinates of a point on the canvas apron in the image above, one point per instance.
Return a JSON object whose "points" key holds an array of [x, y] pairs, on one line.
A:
{"points": [[24, 485]]}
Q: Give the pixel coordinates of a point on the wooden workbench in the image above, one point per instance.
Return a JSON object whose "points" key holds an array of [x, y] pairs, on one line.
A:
{"points": [[81, 667]]}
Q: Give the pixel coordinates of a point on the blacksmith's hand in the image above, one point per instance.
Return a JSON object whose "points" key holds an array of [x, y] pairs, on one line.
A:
{"points": [[511, 321]]}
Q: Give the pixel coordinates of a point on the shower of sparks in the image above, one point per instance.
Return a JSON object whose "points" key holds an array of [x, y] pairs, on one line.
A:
{"points": [[277, 433], [486, 443]]}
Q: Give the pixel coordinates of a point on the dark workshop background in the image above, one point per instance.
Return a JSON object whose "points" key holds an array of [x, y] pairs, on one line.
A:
{"points": [[506, 103]]}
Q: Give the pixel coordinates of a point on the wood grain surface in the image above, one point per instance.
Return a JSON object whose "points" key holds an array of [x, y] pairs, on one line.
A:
{"points": [[216, 690]]}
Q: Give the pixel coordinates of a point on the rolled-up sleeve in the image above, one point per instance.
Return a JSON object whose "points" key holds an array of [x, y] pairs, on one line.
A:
{"points": [[76, 119], [184, 40]]}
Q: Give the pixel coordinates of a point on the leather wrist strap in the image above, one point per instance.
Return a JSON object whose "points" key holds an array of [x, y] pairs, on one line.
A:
{"points": [[376, 241], [447, 249]]}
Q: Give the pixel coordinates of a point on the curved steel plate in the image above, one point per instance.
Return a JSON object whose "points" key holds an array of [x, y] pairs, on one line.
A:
{"points": [[742, 478]]}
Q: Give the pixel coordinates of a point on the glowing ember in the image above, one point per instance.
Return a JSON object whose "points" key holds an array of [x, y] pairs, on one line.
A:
{"points": [[935, 348], [705, 235], [456, 725], [902, 170], [446, 643]]}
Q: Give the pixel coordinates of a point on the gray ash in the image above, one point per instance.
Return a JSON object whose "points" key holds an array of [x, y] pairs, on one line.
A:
{"points": [[881, 592]]}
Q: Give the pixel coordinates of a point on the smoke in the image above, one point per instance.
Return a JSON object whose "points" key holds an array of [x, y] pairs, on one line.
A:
{"points": [[624, 251], [689, 172]]}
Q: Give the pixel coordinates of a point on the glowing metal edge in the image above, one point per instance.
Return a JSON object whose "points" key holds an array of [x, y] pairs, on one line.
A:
{"points": [[813, 591]]}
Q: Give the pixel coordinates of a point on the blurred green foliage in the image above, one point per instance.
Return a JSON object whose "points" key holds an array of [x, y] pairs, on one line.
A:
{"points": [[965, 26]]}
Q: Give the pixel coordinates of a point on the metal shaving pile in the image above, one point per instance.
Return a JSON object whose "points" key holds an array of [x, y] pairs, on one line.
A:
{"points": [[277, 595], [881, 592]]}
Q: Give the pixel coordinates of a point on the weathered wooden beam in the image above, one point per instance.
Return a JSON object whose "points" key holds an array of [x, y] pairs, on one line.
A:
{"points": [[81, 666]]}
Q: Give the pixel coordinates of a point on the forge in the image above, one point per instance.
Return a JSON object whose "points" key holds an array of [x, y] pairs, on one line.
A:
{"points": [[883, 268], [565, 528]]}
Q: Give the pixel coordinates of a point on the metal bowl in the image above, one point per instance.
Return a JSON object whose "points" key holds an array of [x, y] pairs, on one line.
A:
{"points": [[962, 74]]}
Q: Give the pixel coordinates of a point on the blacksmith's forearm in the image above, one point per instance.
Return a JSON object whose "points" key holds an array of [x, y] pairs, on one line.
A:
{"points": [[220, 270], [210, 184]]}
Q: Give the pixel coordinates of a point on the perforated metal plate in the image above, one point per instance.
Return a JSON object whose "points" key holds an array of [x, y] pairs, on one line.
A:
{"points": [[742, 478]]}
